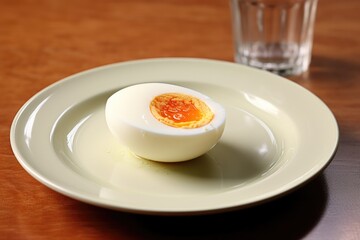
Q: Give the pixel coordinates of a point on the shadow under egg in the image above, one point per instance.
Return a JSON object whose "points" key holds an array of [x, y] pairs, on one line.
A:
{"points": [[222, 168]]}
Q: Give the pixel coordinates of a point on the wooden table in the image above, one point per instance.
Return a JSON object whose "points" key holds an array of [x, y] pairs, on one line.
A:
{"points": [[43, 41]]}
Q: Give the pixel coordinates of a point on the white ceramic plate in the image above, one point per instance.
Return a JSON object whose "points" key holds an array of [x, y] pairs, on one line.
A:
{"points": [[277, 136]]}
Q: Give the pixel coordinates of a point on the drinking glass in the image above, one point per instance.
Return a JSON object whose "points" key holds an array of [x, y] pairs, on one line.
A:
{"points": [[275, 35]]}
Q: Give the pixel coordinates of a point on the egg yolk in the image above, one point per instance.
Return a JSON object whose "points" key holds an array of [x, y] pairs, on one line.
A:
{"points": [[180, 110]]}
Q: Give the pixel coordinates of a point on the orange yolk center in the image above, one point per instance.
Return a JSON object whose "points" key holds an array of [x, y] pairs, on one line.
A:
{"points": [[180, 110]]}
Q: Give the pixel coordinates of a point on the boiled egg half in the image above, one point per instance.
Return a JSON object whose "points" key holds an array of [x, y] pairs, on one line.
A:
{"points": [[164, 122]]}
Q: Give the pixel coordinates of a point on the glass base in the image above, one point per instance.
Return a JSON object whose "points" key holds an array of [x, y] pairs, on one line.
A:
{"points": [[280, 58]]}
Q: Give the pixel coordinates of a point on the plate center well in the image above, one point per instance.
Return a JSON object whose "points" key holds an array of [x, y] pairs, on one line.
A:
{"points": [[246, 153]]}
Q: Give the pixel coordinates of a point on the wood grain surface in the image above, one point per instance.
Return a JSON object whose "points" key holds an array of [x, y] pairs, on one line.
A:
{"points": [[43, 41]]}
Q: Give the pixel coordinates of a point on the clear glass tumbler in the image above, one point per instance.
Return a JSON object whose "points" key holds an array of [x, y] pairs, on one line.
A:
{"points": [[275, 35]]}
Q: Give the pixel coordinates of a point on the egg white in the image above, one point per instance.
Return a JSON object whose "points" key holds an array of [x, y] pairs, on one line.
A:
{"points": [[130, 120]]}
